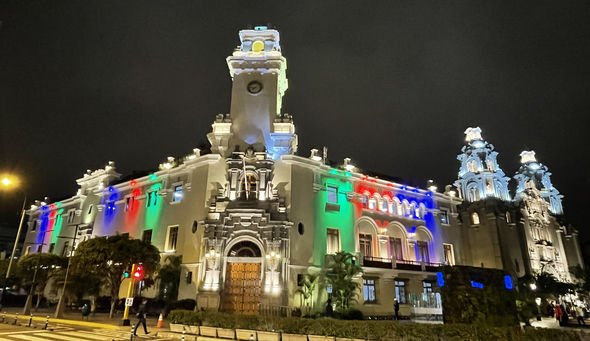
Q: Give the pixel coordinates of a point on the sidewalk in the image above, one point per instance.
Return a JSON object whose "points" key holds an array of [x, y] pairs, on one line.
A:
{"points": [[99, 320], [550, 322]]}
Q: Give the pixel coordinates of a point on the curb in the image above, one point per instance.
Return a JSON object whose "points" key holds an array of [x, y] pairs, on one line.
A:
{"points": [[10, 318]]}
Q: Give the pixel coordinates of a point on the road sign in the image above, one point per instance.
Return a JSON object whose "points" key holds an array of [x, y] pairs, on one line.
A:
{"points": [[129, 302]]}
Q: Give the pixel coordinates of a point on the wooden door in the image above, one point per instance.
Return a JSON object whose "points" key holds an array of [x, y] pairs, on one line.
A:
{"points": [[242, 288]]}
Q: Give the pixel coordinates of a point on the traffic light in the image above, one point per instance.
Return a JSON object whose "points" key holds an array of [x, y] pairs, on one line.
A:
{"points": [[126, 274], [138, 272]]}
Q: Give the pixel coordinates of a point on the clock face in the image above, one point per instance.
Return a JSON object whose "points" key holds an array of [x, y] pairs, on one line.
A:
{"points": [[254, 87]]}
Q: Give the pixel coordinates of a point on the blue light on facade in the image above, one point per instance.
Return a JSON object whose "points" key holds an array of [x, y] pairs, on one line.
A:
{"points": [[440, 279], [508, 282], [476, 284]]}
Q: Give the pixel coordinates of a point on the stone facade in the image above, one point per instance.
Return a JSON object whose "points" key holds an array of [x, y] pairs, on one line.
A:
{"points": [[251, 217]]}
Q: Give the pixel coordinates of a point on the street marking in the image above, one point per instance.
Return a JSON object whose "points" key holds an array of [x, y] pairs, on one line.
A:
{"points": [[82, 334], [20, 332], [30, 337]]}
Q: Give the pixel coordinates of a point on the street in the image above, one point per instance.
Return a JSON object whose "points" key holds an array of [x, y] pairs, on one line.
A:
{"points": [[67, 333]]}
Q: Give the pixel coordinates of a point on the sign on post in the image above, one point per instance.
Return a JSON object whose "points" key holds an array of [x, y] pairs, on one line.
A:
{"points": [[129, 302]]}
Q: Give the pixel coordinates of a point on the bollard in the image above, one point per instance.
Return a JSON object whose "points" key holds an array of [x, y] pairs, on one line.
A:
{"points": [[31, 320], [251, 337], [15, 319], [183, 332], [132, 334], [46, 322]]}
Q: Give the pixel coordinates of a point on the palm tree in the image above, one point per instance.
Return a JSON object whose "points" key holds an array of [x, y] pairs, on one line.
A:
{"points": [[341, 270], [306, 291]]}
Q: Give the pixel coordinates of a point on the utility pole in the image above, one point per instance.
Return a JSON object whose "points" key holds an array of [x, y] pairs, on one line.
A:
{"points": [[60, 304]]}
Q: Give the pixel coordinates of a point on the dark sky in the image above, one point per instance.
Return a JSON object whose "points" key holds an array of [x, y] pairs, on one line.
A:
{"points": [[391, 84]]}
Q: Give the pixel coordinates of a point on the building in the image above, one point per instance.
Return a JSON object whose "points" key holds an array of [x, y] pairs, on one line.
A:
{"points": [[252, 217]]}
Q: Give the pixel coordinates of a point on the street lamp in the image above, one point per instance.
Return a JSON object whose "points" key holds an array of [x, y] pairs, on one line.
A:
{"points": [[7, 183], [59, 310]]}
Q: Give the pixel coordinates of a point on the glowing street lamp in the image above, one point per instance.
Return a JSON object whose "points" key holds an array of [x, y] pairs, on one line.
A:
{"points": [[9, 182]]}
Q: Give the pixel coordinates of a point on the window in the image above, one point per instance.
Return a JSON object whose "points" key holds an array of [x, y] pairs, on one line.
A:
{"points": [[369, 290], [372, 203], [396, 248], [249, 185], [90, 209], [472, 166], [129, 203], [189, 277], [444, 217], [426, 287], [51, 247], [172, 238], [39, 248], [474, 218], [332, 195], [71, 215], [64, 250], [178, 193], [422, 252], [147, 236], [152, 198], [449, 254], [400, 291], [333, 241], [34, 226], [365, 200], [508, 218], [473, 193], [384, 205], [300, 228], [365, 244]]}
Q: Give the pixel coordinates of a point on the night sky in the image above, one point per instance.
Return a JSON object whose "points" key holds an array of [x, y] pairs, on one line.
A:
{"points": [[390, 84]]}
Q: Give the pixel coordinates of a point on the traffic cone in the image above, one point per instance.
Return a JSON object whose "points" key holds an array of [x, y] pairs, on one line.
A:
{"points": [[160, 322]]}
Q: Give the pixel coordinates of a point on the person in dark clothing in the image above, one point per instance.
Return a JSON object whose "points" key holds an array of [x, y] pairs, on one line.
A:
{"points": [[396, 309], [329, 308], [141, 314]]}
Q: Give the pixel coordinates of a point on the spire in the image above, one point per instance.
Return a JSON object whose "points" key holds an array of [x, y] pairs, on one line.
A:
{"points": [[532, 172], [480, 176]]}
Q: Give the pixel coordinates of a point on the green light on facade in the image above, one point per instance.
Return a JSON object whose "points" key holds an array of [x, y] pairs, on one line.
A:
{"points": [[153, 206], [57, 225], [334, 215]]}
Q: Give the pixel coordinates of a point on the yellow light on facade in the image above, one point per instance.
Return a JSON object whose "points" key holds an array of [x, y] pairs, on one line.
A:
{"points": [[258, 46]]}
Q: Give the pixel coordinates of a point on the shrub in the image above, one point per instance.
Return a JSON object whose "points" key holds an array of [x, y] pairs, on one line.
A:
{"points": [[369, 329]]}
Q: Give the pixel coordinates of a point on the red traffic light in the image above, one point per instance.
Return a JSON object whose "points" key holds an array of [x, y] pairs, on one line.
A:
{"points": [[138, 272]]}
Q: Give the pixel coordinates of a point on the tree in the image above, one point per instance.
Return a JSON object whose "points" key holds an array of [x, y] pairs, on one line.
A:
{"points": [[169, 277], [306, 290], [341, 270], [37, 269], [583, 275], [108, 257]]}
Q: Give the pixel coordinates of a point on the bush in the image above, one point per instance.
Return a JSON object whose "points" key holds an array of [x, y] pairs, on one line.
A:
{"points": [[369, 329]]}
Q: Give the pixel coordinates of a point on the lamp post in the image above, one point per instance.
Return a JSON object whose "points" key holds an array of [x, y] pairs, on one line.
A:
{"points": [[6, 183], [59, 310]]}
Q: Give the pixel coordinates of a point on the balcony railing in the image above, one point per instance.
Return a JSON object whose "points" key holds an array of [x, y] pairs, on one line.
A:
{"points": [[388, 263]]}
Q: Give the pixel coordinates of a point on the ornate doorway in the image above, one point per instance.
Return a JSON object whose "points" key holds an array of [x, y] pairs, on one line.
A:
{"points": [[243, 279]]}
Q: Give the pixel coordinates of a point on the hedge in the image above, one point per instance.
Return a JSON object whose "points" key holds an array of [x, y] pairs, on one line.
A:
{"points": [[370, 330]]}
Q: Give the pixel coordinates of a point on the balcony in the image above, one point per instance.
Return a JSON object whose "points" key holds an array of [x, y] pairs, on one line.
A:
{"points": [[386, 263]]}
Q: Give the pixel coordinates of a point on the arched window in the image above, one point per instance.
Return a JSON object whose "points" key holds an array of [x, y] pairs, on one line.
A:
{"points": [[384, 204], [473, 193], [249, 186], [365, 200], [474, 218], [372, 203], [472, 166]]}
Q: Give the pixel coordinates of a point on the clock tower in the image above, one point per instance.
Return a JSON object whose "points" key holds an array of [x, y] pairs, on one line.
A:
{"points": [[258, 71]]}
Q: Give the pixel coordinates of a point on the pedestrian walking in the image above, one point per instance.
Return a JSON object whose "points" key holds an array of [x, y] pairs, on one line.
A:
{"points": [[141, 315], [580, 315], [395, 309], [85, 311]]}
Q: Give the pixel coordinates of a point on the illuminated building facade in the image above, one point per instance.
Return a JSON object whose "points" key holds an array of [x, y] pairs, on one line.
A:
{"points": [[251, 218]]}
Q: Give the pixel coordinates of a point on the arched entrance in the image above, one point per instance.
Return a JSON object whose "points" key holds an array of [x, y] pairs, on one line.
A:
{"points": [[243, 278]]}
